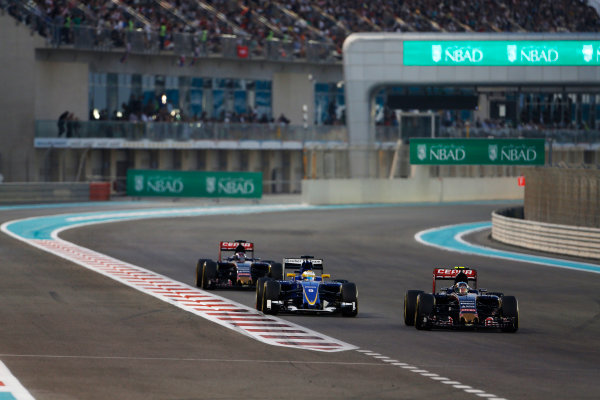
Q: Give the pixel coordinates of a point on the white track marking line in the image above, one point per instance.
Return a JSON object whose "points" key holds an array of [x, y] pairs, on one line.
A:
{"points": [[220, 310], [11, 385]]}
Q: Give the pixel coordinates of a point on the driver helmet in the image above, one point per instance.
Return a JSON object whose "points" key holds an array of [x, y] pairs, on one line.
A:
{"points": [[461, 288], [240, 257], [308, 275]]}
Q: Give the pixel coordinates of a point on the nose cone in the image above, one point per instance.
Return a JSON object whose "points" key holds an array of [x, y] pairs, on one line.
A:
{"points": [[311, 294]]}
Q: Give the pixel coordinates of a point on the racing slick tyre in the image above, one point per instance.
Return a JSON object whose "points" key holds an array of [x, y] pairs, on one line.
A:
{"points": [[260, 291], [425, 302], [199, 265], [349, 295], [510, 309], [272, 291], [410, 306], [276, 271], [209, 273]]}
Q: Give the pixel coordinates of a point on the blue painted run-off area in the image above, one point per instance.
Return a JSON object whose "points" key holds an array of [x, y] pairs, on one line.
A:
{"points": [[448, 237]]}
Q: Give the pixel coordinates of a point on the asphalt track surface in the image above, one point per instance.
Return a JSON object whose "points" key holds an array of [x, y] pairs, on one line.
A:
{"points": [[70, 333]]}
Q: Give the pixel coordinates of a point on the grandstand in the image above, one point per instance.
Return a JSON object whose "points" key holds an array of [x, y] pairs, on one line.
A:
{"points": [[168, 74]]}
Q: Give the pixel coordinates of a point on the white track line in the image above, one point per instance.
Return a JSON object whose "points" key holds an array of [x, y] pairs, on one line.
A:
{"points": [[10, 386]]}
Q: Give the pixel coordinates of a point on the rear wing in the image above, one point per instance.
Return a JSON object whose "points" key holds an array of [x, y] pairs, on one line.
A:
{"points": [[296, 263], [227, 249], [441, 275]]}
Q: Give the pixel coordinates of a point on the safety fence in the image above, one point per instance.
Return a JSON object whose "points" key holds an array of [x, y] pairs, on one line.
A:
{"points": [[562, 195], [199, 130], [509, 227]]}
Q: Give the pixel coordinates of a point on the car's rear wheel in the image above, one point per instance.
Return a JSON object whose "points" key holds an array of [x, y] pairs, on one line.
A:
{"points": [[209, 273], [425, 302], [349, 295], [410, 306], [260, 292], [272, 291], [510, 309]]}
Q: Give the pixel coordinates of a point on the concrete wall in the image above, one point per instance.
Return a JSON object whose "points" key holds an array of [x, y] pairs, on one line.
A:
{"points": [[410, 190], [571, 240], [17, 85], [23, 193], [61, 86], [290, 92]]}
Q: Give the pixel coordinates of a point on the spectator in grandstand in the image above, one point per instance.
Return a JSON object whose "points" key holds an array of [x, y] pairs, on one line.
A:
{"points": [[62, 120]]}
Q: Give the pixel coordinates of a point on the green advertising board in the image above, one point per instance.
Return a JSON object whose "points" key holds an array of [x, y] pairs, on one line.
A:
{"points": [[477, 151], [193, 183], [501, 53]]}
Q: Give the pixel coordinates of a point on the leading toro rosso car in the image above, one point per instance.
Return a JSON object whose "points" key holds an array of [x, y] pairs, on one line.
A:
{"points": [[236, 267], [460, 305], [306, 290]]}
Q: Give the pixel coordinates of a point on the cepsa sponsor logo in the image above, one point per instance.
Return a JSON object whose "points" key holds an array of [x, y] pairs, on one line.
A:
{"points": [[233, 245], [453, 272]]}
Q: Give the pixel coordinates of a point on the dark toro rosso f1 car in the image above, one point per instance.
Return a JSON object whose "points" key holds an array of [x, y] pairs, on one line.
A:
{"points": [[461, 305], [306, 290], [235, 268]]}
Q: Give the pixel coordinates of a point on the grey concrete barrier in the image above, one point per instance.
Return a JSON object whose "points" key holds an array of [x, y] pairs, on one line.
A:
{"points": [[46, 192], [552, 238]]}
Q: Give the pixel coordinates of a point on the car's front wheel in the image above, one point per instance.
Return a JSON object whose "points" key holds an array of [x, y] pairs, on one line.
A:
{"points": [[425, 302], [349, 295], [260, 292], [209, 273], [271, 294], [410, 306]]}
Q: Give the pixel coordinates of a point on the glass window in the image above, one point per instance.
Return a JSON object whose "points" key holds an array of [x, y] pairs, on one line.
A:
{"points": [[329, 103]]}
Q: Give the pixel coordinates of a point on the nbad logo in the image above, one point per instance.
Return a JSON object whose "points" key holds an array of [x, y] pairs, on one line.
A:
{"points": [[463, 54], [537, 54], [235, 186], [165, 184], [518, 153], [447, 153]]}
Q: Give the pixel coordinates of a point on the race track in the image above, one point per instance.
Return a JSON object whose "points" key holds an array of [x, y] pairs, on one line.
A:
{"points": [[71, 333]]}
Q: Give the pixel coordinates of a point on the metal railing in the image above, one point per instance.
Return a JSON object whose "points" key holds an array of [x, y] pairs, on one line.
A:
{"points": [[574, 136], [184, 131], [157, 131]]}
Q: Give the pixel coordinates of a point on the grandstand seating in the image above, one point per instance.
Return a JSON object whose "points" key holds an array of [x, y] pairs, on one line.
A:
{"points": [[197, 27]]}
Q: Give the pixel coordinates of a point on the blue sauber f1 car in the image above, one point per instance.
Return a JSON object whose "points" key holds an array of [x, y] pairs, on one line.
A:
{"points": [[235, 268], [306, 290], [461, 305]]}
